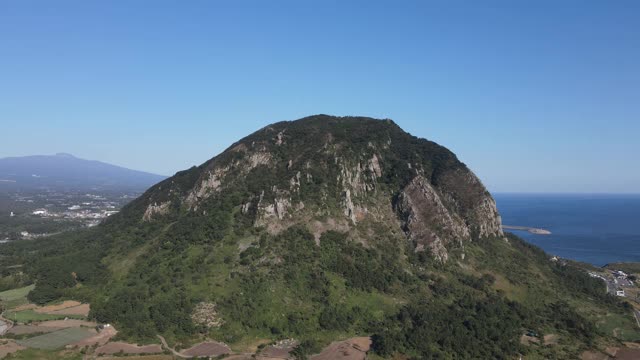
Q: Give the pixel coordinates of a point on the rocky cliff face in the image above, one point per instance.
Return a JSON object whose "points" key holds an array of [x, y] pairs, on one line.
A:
{"points": [[336, 174]]}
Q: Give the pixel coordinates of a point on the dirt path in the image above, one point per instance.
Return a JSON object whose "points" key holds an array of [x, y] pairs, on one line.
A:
{"points": [[174, 352], [8, 324]]}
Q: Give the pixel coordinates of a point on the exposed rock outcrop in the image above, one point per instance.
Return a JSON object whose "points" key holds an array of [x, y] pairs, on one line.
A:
{"points": [[155, 209], [318, 172], [426, 221]]}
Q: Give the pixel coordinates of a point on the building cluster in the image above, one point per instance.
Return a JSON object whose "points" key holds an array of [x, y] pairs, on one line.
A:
{"points": [[76, 212]]}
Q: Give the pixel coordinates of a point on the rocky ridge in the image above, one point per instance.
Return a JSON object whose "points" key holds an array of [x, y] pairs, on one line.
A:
{"points": [[309, 170]]}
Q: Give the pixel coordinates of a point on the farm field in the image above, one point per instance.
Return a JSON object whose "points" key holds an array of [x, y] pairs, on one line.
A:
{"points": [[56, 306], [32, 329], [57, 339], [68, 323], [117, 347], [80, 310], [140, 357], [207, 349], [26, 316], [35, 354], [14, 294], [15, 297], [620, 326]]}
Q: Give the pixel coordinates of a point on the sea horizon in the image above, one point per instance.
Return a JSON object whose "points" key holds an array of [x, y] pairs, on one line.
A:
{"points": [[596, 228]]}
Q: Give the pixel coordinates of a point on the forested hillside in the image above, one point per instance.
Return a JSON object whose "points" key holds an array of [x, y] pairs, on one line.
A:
{"points": [[322, 229]]}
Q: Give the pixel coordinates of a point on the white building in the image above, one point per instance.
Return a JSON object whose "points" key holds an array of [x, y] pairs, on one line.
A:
{"points": [[621, 274]]}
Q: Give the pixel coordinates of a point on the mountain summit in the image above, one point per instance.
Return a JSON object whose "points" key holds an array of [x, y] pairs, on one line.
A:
{"points": [[321, 229], [343, 174]]}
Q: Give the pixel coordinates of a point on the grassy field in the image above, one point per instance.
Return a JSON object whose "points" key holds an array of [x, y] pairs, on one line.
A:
{"points": [[622, 327], [15, 297], [35, 354], [26, 316], [56, 339], [16, 293]]}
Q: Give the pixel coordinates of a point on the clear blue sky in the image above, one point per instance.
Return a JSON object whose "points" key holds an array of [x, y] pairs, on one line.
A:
{"points": [[535, 96]]}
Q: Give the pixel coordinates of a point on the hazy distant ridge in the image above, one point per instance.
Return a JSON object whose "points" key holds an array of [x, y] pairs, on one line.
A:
{"points": [[65, 170]]}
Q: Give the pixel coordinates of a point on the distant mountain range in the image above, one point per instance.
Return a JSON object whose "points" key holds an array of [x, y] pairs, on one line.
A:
{"points": [[65, 171]]}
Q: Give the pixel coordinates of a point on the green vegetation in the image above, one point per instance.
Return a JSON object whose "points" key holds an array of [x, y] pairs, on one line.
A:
{"points": [[349, 279], [15, 297], [27, 316], [15, 294], [623, 326], [56, 339], [36, 354]]}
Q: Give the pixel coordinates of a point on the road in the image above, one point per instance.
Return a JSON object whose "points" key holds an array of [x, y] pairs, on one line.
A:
{"points": [[612, 286], [636, 313]]}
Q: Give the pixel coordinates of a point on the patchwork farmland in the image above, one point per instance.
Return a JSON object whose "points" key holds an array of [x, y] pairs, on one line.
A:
{"points": [[57, 339]]}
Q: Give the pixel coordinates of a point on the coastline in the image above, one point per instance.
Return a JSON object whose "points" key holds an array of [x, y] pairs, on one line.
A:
{"points": [[532, 230]]}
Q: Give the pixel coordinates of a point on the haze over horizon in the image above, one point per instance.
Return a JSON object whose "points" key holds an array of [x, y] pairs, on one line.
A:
{"points": [[539, 97]]}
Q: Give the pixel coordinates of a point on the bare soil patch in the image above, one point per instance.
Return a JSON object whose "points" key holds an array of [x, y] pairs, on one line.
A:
{"points": [[8, 347], [82, 309], [593, 355], [210, 348], [279, 350], [126, 348], [32, 329], [140, 357], [239, 357], [628, 354], [56, 307], [528, 340], [551, 339], [624, 353], [25, 307], [68, 323], [351, 349]]}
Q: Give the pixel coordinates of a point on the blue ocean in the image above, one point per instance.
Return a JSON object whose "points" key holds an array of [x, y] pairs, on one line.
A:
{"points": [[596, 229]]}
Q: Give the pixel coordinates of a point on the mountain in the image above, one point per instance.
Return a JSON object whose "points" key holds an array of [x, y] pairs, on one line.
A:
{"points": [[65, 171], [320, 229]]}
